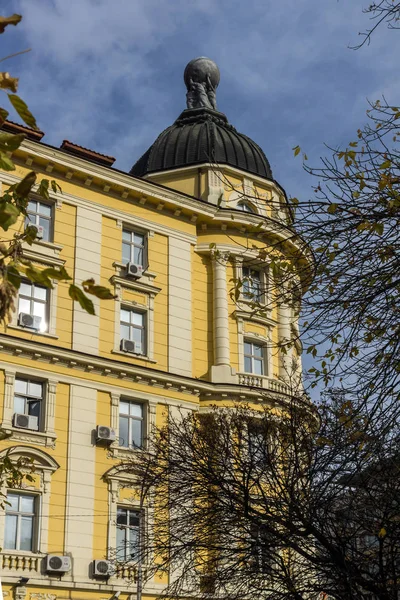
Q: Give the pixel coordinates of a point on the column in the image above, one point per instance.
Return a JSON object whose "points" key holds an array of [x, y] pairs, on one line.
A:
{"points": [[221, 371]]}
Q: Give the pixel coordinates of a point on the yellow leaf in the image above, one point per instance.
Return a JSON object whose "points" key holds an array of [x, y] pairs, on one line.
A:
{"points": [[382, 533], [296, 150], [13, 20], [7, 82]]}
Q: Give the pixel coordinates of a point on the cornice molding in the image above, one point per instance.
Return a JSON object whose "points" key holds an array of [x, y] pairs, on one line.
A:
{"points": [[115, 370]]}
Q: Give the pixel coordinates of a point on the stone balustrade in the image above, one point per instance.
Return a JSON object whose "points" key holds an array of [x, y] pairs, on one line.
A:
{"points": [[21, 562]]}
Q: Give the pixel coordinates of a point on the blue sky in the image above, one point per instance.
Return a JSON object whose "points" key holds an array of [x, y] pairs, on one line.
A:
{"points": [[108, 74]]}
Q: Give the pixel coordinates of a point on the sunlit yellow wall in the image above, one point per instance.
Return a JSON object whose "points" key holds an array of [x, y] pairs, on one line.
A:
{"points": [[233, 324], [58, 496], [202, 315], [64, 234]]}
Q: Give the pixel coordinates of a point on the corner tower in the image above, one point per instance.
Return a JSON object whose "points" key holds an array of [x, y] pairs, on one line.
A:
{"points": [[252, 316]]}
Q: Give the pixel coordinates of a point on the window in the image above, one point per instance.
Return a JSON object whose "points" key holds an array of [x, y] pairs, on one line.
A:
{"points": [[131, 424], [252, 284], [134, 247], [128, 531], [20, 522], [33, 300], [261, 549], [133, 328], [257, 439], [40, 215], [253, 358], [28, 398], [246, 207]]}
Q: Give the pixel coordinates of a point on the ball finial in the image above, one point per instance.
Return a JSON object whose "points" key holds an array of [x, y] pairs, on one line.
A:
{"points": [[201, 77]]}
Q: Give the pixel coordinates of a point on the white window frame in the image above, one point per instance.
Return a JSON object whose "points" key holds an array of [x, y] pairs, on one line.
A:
{"points": [[28, 398], [131, 418], [32, 301], [51, 313], [256, 338], [247, 207], [248, 289], [36, 217], [143, 328], [149, 404], [133, 245], [147, 308], [253, 357], [46, 435], [19, 513], [44, 466], [128, 528]]}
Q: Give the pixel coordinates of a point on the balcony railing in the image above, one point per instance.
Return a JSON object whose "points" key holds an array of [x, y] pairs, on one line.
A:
{"points": [[263, 382], [20, 562]]}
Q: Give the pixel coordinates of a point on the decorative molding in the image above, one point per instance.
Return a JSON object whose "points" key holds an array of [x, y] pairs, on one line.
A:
{"points": [[134, 284], [112, 369], [43, 596]]}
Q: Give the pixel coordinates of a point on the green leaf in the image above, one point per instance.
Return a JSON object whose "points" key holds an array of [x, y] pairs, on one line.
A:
{"points": [[332, 208], [43, 189], [14, 276], [23, 110], [9, 214], [13, 20], [60, 274], [38, 276], [6, 163], [24, 187], [10, 142], [30, 234], [3, 115], [386, 165], [97, 290], [55, 186], [76, 294]]}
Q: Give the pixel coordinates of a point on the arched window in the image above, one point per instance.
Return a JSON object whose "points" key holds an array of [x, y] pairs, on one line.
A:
{"points": [[246, 207]]}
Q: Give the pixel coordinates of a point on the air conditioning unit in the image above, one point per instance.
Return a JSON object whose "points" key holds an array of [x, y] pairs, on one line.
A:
{"points": [[40, 232], [134, 270], [105, 434], [29, 321], [132, 347], [58, 564], [103, 568], [25, 421]]}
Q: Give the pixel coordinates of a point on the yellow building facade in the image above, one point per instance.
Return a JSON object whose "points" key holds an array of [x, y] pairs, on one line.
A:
{"points": [[80, 392]]}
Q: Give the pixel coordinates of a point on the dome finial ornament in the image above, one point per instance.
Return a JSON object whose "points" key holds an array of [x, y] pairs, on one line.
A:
{"points": [[201, 77]]}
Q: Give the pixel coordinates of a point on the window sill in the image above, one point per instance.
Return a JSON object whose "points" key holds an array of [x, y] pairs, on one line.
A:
{"points": [[45, 252], [33, 332], [123, 452], [40, 438], [135, 356]]}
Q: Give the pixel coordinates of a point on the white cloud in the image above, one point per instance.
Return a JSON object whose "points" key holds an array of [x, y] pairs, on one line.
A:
{"points": [[108, 74]]}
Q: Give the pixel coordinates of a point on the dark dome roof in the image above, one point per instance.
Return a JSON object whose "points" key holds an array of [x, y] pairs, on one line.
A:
{"points": [[202, 135]]}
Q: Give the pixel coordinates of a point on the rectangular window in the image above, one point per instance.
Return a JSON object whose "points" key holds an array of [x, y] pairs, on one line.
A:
{"points": [[254, 358], [133, 328], [20, 522], [261, 549], [134, 247], [28, 398], [33, 301], [128, 532], [40, 215], [252, 288], [131, 423]]}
